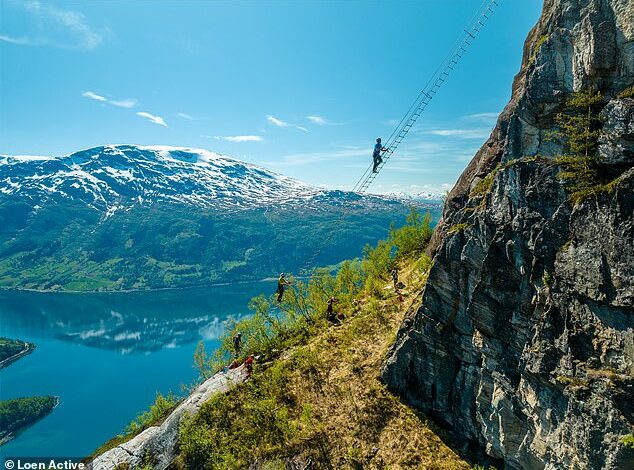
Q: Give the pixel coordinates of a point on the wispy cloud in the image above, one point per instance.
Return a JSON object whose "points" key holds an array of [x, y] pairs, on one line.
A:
{"points": [[56, 27], [279, 123], [129, 103], [186, 116], [93, 96], [237, 138], [152, 118], [296, 159], [489, 118], [126, 103], [18, 41], [320, 121], [482, 133]]}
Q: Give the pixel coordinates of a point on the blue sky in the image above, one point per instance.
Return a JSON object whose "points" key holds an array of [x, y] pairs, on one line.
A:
{"points": [[301, 87]]}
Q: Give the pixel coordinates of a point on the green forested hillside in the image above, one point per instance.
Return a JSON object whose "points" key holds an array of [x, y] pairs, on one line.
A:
{"points": [[72, 247], [17, 414]]}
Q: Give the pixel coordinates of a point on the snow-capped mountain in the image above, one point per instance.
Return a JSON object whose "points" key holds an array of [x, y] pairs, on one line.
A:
{"points": [[115, 177], [123, 217]]}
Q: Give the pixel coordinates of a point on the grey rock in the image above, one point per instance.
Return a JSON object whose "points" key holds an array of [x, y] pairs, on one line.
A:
{"points": [[159, 443], [524, 343]]}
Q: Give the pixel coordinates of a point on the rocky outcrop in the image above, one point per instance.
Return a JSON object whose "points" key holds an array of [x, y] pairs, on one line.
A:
{"points": [[524, 343], [157, 445]]}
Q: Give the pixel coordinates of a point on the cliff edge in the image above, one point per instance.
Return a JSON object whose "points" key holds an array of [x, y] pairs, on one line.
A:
{"points": [[524, 343]]}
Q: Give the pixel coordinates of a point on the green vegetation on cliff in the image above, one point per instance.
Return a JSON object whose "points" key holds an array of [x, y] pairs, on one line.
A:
{"points": [[579, 129], [315, 394], [19, 413]]}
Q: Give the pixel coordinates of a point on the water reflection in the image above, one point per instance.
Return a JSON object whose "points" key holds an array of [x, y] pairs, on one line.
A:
{"points": [[130, 323]]}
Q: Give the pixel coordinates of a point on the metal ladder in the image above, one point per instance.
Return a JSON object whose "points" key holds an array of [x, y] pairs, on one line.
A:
{"points": [[428, 92], [438, 78]]}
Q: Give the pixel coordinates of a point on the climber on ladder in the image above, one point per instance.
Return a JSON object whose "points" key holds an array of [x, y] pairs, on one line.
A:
{"points": [[376, 156], [281, 282]]}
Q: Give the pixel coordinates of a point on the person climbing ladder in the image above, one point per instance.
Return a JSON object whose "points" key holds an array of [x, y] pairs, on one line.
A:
{"points": [[281, 282], [376, 155]]}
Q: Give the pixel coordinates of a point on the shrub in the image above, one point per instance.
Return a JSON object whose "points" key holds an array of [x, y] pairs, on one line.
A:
{"points": [[484, 186], [161, 407], [413, 237], [628, 441]]}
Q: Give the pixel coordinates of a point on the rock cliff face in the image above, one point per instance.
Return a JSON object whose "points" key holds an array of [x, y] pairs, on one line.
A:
{"points": [[524, 344]]}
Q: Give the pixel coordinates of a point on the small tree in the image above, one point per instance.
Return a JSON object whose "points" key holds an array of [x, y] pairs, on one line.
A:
{"points": [[579, 129]]}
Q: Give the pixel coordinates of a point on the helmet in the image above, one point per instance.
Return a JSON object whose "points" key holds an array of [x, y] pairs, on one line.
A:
{"points": [[282, 275], [378, 140]]}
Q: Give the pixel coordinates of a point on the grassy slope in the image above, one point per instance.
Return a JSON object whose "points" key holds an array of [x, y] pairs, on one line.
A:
{"points": [[322, 401]]}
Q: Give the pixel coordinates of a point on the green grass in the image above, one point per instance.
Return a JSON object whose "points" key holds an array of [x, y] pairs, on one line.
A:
{"points": [[154, 415], [627, 93], [581, 195], [485, 185], [458, 228], [538, 46], [315, 393]]}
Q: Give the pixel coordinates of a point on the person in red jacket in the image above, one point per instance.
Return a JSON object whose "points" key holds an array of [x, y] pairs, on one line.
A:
{"points": [[249, 365]]}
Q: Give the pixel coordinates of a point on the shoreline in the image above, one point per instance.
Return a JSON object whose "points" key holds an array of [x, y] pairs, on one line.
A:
{"points": [[132, 291], [13, 435], [28, 349]]}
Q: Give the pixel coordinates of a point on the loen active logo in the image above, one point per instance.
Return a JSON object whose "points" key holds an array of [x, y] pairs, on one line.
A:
{"points": [[43, 464]]}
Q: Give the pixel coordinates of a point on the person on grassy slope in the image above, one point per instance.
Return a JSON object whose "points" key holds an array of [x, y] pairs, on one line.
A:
{"points": [[281, 282]]}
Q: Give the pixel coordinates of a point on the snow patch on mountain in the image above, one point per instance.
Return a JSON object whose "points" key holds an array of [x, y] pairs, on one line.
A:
{"points": [[117, 177]]}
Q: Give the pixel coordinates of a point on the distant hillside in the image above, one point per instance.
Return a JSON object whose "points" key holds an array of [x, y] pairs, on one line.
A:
{"points": [[129, 217]]}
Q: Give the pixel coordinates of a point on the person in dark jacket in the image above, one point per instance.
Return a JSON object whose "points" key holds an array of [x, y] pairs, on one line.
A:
{"points": [[281, 282], [330, 311], [237, 343], [376, 155]]}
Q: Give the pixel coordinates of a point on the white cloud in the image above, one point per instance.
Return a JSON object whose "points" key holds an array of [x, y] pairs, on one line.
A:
{"points": [[129, 103], [279, 123], [482, 133], [152, 118], [482, 117], [93, 96], [320, 121], [186, 116], [17, 41], [296, 159], [241, 138], [57, 27]]}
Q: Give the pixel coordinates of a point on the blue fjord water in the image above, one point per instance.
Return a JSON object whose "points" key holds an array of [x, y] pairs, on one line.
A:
{"points": [[106, 356]]}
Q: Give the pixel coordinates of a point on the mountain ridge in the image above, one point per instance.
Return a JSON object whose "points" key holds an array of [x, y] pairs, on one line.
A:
{"points": [[115, 177]]}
